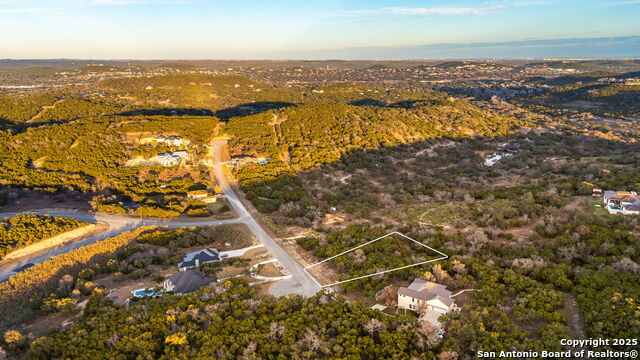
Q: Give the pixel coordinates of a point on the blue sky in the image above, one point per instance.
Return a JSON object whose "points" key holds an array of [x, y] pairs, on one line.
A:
{"points": [[349, 29]]}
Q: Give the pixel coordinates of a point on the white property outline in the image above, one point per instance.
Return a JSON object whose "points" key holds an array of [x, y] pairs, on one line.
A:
{"points": [[444, 256]]}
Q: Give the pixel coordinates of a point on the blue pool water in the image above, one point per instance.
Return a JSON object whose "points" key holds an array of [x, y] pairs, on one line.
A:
{"points": [[144, 293]]}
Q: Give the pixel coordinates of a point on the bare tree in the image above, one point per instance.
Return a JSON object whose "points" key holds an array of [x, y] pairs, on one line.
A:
{"points": [[387, 296], [374, 326], [448, 355], [310, 341], [428, 338], [358, 256], [249, 353], [439, 273], [626, 264], [276, 330], [458, 267]]}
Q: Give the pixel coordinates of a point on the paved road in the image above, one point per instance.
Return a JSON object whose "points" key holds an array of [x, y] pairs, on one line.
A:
{"points": [[117, 224], [300, 283]]}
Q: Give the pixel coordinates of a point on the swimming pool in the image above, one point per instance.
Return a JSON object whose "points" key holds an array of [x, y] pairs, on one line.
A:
{"points": [[145, 293]]}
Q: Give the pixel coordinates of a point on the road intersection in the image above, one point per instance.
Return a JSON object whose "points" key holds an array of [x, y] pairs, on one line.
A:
{"points": [[300, 282]]}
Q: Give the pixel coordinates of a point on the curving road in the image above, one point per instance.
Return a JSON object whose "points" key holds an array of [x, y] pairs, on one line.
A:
{"points": [[117, 224], [300, 282]]}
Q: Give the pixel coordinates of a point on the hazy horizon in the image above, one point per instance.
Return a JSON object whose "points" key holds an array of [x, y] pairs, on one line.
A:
{"points": [[332, 29]]}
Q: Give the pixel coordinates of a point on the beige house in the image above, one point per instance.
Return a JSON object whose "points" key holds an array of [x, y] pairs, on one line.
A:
{"points": [[203, 196], [197, 194], [209, 199], [424, 296]]}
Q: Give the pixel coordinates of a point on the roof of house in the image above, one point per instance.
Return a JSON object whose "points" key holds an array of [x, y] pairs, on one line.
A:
{"points": [[198, 192], [202, 256], [632, 208], [421, 284], [423, 289], [240, 156], [188, 281], [614, 194], [167, 155]]}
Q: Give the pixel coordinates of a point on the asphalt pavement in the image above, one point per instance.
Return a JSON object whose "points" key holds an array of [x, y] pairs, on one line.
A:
{"points": [[300, 282]]}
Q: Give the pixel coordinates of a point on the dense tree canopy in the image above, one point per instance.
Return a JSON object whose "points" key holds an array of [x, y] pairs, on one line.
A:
{"points": [[235, 323], [25, 229]]}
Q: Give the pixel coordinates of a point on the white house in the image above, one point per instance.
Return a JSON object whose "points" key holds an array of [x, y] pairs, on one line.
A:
{"points": [[428, 298], [170, 140], [622, 202], [183, 154], [167, 159], [174, 141]]}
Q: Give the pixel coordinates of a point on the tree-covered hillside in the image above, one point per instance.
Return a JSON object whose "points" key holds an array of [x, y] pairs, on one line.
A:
{"points": [[304, 137], [25, 229], [586, 94], [83, 147], [236, 323], [90, 154]]}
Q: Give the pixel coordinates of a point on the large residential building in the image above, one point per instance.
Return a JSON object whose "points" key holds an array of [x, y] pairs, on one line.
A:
{"points": [[427, 298], [209, 199], [197, 194], [170, 140], [197, 258], [244, 160], [203, 196], [622, 202], [170, 158], [182, 154], [166, 159], [174, 141], [186, 282]]}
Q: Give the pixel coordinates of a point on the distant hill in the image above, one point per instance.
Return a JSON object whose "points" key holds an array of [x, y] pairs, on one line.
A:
{"points": [[301, 137]]}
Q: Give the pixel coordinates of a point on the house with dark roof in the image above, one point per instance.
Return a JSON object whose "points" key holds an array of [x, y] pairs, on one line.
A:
{"points": [[197, 258], [426, 297], [186, 282], [631, 210]]}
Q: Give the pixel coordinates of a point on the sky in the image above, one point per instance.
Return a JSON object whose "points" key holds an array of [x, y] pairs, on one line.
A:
{"points": [[310, 29]]}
